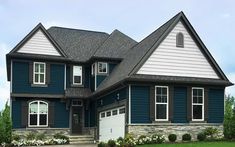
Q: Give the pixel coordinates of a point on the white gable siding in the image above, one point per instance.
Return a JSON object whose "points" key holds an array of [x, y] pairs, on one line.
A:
{"points": [[170, 60], [39, 44]]}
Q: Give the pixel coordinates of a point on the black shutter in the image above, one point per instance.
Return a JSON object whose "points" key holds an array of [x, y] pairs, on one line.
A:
{"points": [[24, 114], [71, 74], [31, 72], [51, 114], [206, 104], [152, 103], [48, 73], [171, 101], [189, 104]]}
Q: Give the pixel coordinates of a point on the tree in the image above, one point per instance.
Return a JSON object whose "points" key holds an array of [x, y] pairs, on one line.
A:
{"points": [[229, 118]]}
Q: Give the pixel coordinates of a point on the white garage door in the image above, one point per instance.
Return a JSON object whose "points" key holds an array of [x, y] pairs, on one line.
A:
{"points": [[112, 124]]}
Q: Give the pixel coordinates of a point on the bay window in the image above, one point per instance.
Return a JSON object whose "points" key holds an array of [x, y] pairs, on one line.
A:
{"points": [[161, 103]]}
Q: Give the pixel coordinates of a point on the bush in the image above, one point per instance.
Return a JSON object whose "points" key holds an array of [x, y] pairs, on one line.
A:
{"points": [[186, 137], [211, 132], [172, 137], [158, 138], [102, 144], [201, 136], [5, 125], [40, 136], [31, 136], [111, 143], [129, 140], [15, 137], [61, 136]]}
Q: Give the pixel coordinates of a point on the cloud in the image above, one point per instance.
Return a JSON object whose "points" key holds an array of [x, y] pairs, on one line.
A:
{"points": [[231, 90], [225, 15]]}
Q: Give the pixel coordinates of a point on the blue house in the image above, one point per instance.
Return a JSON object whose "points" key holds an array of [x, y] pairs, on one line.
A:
{"points": [[106, 85]]}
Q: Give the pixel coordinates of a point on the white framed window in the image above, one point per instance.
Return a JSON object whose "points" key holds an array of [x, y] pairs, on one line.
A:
{"points": [[197, 104], [39, 73], [38, 114], [77, 75], [102, 67], [161, 103], [93, 69]]}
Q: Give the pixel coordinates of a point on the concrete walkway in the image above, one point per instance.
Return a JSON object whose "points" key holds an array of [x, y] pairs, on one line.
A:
{"points": [[73, 145]]}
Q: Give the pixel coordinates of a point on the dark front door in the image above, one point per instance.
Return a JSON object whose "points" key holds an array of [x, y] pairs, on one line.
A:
{"points": [[76, 120]]}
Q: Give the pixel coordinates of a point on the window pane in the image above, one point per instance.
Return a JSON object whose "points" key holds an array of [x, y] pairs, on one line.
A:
{"points": [[36, 67], [33, 108], [108, 113], [114, 112], [164, 91], [122, 110], [36, 78], [161, 111], [43, 119], [43, 108], [102, 67], [41, 78], [199, 100], [164, 99], [199, 92], [102, 115], [77, 79], [159, 99], [42, 68], [194, 92], [158, 91], [33, 119], [194, 99], [197, 112]]}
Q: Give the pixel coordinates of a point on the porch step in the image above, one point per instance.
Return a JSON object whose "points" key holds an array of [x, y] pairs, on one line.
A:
{"points": [[81, 139]]}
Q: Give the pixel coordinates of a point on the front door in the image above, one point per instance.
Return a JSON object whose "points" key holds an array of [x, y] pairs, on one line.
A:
{"points": [[76, 120]]}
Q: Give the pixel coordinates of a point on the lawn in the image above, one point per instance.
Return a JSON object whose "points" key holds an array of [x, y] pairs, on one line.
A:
{"points": [[197, 144]]}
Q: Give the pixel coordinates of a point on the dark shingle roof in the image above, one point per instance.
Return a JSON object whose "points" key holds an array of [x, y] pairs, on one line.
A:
{"points": [[77, 92], [79, 45], [115, 46], [133, 57]]}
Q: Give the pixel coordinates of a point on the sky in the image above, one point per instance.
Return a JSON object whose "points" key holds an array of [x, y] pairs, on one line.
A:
{"points": [[213, 20]]}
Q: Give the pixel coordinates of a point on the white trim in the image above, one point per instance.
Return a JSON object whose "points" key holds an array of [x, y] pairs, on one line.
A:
{"points": [[38, 114], [93, 69], [193, 104], [77, 75], [11, 77], [95, 75], [106, 64], [65, 78], [129, 116], [44, 80], [167, 104]]}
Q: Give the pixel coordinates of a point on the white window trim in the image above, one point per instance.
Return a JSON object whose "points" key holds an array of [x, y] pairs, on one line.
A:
{"points": [[106, 64], [167, 104], [38, 120], [93, 69], [198, 104], [39, 73], [78, 75]]}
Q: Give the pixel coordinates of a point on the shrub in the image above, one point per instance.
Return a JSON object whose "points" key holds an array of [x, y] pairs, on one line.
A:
{"points": [[229, 118], [15, 137], [172, 137], [61, 136], [129, 140], [111, 143], [31, 136], [102, 144], [201, 136], [5, 125], [211, 132], [40, 136], [158, 138], [186, 137]]}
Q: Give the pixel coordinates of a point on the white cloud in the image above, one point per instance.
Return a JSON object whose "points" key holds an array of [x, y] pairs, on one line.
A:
{"points": [[231, 90]]}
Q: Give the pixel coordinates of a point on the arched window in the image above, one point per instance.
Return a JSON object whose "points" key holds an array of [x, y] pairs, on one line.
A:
{"points": [[38, 114], [180, 40]]}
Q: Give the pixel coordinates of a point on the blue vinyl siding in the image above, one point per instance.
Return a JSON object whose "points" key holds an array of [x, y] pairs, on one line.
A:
{"points": [[216, 106], [16, 114], [180, 105], [93, 111], [61, 114], [140, 102], [113, 97], [20, 82]]}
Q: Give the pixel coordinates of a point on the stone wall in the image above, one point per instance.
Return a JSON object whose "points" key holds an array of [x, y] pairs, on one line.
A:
{"points": [[166, 129]]}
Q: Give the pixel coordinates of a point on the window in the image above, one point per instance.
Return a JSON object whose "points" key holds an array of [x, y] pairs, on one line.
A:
{"points": [[114, 112], [197, 104], [102, 115], [102, 67], [161, 99], [108, 113], [39, 71], [38, 114], [76, 103], [180, 40], [77, 75], [93, 69], [121, 110]]}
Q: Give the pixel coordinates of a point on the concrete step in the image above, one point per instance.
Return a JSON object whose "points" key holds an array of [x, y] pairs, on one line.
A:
{"points": [[81, 139]]}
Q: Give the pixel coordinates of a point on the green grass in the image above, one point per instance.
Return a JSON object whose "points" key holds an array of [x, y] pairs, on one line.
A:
{"points": [[196, 144]]}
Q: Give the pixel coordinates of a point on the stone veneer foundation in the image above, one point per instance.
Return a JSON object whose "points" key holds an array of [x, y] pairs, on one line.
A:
{"points": [[165, 129]]}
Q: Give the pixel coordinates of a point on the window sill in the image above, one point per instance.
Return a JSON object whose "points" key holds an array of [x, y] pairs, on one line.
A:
{"points": [[39, 85]]}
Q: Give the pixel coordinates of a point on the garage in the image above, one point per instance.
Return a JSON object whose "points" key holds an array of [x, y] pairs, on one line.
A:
{"points": [[112, 124]]}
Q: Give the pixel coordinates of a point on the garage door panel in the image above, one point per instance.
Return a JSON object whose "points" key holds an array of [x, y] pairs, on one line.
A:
{"points": [[113, 126]]}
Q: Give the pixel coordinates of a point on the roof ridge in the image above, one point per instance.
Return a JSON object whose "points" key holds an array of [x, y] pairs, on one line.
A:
{"points": [[78, 29]]}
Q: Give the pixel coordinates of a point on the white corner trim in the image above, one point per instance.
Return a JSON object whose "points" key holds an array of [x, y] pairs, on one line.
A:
{"points": [[95, 75], [129, 116], [11, 77], [65, 77]]}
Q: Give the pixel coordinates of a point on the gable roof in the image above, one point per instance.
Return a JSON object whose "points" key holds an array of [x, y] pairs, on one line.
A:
{"points": [[137, 56], [115, 46], [31, 34]]}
